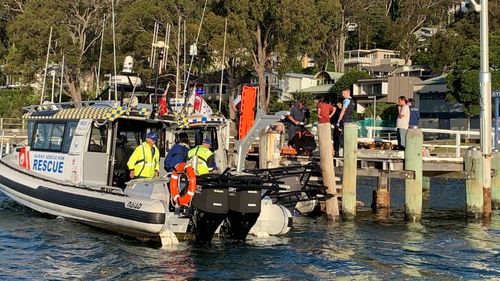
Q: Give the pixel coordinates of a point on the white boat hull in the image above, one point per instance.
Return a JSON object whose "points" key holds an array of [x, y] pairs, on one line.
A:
{"points": [[134, 216]]}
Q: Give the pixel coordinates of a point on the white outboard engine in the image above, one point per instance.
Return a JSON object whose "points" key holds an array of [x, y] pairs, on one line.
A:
{"points": [[273, 220]]}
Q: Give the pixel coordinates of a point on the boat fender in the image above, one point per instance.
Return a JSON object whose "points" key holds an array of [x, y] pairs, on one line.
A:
{"points": [[182, 168]]}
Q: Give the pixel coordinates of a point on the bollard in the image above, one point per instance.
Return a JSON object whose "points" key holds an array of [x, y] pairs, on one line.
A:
{"points": [[413, 187], [269, 150], [350, 170], [382, 197], [495, 182], [327, 169], [474, 185]]}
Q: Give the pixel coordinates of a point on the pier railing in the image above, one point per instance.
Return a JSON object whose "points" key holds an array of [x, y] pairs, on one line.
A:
{"points": [[458, 136], [12, 123]]}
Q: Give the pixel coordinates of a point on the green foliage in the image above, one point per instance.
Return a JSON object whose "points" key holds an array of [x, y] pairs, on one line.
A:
{"points": [[12, 101], [347, 80], [463, 81]]}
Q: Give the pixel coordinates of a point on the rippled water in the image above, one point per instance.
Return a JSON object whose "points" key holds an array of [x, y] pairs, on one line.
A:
{"points": [[444, 246]]}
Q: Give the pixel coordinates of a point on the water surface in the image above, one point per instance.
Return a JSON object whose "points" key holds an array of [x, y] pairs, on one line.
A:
{"points": [[443, 247]]}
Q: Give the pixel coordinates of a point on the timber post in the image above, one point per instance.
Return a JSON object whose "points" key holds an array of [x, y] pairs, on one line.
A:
{"points": [[474, 184], [495, 182], [426, 188], [350, 170], [269, 150], [413, 187], [327, 169], [382, 197]]}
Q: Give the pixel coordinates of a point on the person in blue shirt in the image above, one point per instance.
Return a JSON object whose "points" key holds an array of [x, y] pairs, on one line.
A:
{"points": [[414, 114], [178, 153]]}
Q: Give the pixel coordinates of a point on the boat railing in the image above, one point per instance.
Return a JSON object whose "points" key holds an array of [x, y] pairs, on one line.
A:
{"points": [[66, 105]]}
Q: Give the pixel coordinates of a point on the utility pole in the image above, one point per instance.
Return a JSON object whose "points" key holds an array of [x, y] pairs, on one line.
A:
{"points": [[485, 104]]}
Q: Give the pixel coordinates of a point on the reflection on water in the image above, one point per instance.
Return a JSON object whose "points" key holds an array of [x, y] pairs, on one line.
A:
{"points": [[443, 246]]}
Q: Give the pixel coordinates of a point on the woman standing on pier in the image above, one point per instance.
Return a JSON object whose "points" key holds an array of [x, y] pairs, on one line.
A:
{"points": [[403, 121]]}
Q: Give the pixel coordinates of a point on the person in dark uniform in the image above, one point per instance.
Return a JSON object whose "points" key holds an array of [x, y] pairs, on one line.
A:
{"points": [[296, 118], [346, 114]]}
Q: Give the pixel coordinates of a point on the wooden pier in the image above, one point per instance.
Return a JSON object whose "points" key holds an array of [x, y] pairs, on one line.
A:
{"points": [[416, 169]]}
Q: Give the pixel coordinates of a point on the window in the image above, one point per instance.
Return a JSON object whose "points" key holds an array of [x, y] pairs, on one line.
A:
{"points": [[68, 136], [48, 136], [98, 138], [31, 126], [196, 137]]}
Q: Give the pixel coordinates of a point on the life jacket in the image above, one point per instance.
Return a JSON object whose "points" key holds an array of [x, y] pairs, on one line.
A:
{"points": [[143, 162], [198, 158]]}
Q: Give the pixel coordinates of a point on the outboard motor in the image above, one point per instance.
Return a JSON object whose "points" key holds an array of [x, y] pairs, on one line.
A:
{"points": [[244, 209], [210, 208]]}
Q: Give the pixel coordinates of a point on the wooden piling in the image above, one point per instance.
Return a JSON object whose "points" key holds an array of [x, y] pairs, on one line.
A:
{"points": [[269, 150], [382, 197], [413, 187], [474, 185], [327, 168], [350, 170], [495, 182]]}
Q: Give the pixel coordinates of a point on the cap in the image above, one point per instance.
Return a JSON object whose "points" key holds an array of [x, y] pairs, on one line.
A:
{"points": [[207, 141], [151, 135]]}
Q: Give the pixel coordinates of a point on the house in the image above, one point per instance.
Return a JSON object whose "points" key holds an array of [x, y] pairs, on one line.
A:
{"points": [[324, 80], [436, 111], [358, 59], [290, 83], [385, 89]]}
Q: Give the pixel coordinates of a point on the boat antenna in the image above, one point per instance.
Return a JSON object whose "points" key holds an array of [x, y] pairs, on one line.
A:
{"points": [[100, 57], [46, 66], [178, 55], [62, 78], [186, 82], [223, 66], [114, 45], [163, 62]]}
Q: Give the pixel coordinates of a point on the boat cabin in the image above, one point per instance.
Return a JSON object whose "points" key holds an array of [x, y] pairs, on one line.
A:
{"points": [[90, 144]]}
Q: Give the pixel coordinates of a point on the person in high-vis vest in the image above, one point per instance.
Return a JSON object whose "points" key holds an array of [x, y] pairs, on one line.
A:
{"points": [[145, 160], [202, 158]]}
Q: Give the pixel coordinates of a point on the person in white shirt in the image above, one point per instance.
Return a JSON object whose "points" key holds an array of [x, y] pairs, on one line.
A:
{"points": [[403, 121]]}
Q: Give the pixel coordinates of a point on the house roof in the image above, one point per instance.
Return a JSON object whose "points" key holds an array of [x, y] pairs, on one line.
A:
{"points": [[440, 80], [373, 80], [333, 75], [319, 89], [381, 68], [299, 75]]}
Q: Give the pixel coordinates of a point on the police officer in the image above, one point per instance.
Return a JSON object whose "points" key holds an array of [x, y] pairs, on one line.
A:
{"points": [[202, 158], [145, 160]]}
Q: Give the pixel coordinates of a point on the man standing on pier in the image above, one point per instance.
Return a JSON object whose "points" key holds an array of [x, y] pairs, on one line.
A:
{"points": [[403, 121], [296, 118], [346, 114]]}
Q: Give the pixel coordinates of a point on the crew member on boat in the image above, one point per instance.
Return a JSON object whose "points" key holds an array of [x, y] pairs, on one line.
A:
{"points": [[202, 158], [178, 153], [145, 160]]}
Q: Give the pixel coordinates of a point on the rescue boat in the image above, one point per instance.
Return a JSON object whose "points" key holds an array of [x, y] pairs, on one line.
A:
{"points": [[73, 166]]}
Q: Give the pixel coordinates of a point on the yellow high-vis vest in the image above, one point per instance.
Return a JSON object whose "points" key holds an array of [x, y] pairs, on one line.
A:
{"points": [[199, 155], [143, 162]]}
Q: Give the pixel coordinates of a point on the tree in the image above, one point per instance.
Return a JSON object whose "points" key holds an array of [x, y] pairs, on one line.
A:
{"points": [[463, 81], [278, 29], [77, 26], [237, 62], [347, 80], [412, 15], [336, 19]]}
